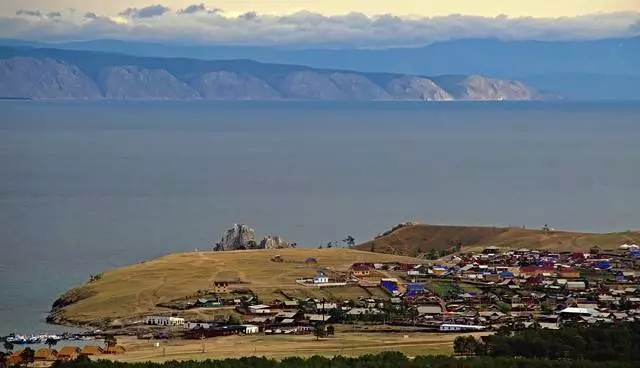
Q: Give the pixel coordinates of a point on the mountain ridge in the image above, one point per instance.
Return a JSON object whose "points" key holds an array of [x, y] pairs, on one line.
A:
{"points": [[43, 73], [576, 69]]}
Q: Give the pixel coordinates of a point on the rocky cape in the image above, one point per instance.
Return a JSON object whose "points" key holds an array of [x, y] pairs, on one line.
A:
{"points": [[83, 75], [241, 236]]}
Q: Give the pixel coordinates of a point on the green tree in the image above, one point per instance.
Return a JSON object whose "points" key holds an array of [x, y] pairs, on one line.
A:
{"points": [[233, 320], [3, 359], [110, 341], [28, 356], [50, 342], [331, 330], [350, 241], [319, 331], [8, 346]]}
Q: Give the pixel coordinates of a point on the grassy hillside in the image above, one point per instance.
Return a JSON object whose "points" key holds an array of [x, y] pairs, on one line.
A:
{"points": [[411, 240], [134, 291]]}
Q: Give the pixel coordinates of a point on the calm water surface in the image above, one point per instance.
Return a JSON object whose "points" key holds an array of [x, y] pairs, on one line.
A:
{"points": [[90, 186]]}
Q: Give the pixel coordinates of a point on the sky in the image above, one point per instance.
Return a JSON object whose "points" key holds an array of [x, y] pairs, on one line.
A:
{"points": [[533, 8], [354, 23]]}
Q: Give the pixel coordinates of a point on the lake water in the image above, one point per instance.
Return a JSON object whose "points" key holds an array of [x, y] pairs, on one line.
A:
{"points": [[90, 186]]}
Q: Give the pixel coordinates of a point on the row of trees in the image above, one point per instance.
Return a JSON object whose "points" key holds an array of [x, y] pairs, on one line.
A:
{"points": [[383, 360], [603, 342], [348, 242]]}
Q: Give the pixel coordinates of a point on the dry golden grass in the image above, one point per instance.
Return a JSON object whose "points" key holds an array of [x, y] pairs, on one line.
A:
{"points": [[134, 291], [281, 346], [422, 238]]}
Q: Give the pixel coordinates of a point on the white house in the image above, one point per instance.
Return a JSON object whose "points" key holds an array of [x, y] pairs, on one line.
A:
{"points": [[259, 309], [191, 325], [164, 321], [250, 329], [320, 278]]}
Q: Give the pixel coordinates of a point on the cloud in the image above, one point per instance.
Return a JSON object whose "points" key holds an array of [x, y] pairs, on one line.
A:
{"points": [[52, 15], [198, 8], [29, 13], [146, 12], [248, 15], [309, 29]]}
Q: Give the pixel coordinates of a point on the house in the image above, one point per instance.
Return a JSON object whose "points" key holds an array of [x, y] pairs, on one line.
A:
{"points": [[92, 350], [533, 271], [201, 324], [289, 317], [14, 359], [115, 350], [314, 318], [221, 287], [576, 285], [259, 309], [290, 304], [568, 273], [164, 321], [326, 306], [491, 250], [46, 354], [390, 285], [430, 310], [360, 270], [207, 303], [320, 278], [69, 353], [250, 329]]}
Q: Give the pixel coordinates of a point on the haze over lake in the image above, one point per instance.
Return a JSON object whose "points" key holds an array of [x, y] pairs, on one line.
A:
{"points": [[90, 186]]}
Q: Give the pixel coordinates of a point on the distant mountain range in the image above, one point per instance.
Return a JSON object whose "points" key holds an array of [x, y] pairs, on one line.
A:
{"points": [[597, 69], [45, 73]]}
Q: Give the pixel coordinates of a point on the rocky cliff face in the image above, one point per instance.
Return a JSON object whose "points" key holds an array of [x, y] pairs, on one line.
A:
{"points": [[44, 79], [119, 77], [417, 88], [240, 236], [225, 85], [478, 88], [134, 83]]}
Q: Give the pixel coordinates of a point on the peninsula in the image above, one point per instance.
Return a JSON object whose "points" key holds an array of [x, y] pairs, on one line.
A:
{"points": [[56, 74]]}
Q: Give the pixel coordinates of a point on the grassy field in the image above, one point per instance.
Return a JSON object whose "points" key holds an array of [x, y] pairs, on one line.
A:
{"points": [[134, 291], [421, 238], [281, 346]]}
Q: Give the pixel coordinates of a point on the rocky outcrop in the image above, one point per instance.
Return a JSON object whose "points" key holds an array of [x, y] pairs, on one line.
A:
{"points": [[273, 242], [135, 83], [478, 88], [240, 236], [417, 88], [27, 77], [225, 85]]}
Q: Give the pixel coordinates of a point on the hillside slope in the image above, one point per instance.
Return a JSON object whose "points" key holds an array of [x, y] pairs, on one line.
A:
{"points": [[415, 239], [134, 291], [64, 74]]}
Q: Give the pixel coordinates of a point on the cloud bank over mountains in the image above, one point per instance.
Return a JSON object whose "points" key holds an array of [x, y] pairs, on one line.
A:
{"points": [[198, 23]]}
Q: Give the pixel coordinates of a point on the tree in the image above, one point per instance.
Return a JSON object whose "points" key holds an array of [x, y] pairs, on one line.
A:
{"points": [[350, 241], [110, 341], [8, 346], [331, 330], [319, 331], [50, 342], [233, 320], [3, 359], [28, 356], [83, 359]]}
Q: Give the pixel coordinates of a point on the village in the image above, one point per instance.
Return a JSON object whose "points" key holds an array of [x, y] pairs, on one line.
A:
{"points": [[463, 292]]}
